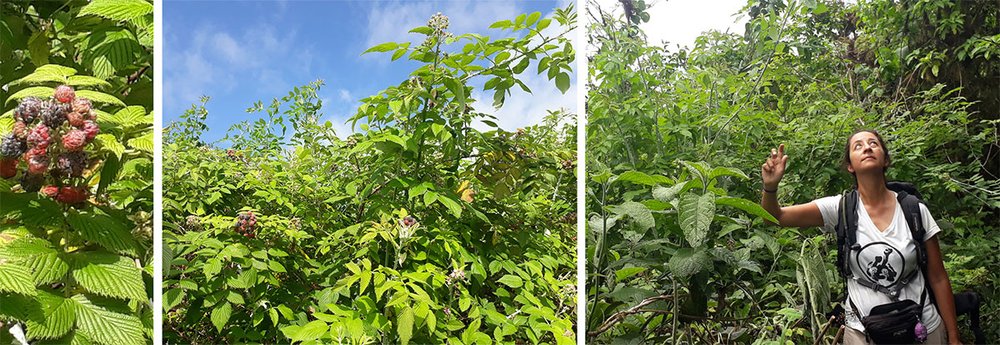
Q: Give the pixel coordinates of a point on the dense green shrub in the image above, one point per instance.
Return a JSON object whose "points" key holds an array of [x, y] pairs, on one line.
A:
{"points": [[419, 229]]}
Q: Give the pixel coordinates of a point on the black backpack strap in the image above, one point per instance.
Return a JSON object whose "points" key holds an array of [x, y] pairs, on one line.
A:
{"points": [[914, 220], [847, 229]]}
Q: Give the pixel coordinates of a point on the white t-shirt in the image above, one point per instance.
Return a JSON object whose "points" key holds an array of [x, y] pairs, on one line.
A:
{"points": [[884, 258]]}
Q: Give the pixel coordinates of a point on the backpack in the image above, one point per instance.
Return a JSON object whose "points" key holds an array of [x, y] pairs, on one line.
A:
{"points": [[847, 225]]}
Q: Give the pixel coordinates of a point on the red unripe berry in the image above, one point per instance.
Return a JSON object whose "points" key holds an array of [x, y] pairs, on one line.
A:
{"points": [[50, 191], [8, 167], [38, 164], [39, 137], [82, 106], [71, 195], [64, 94], [91, 129], [74, 140], [20, 129], [76, 119]]}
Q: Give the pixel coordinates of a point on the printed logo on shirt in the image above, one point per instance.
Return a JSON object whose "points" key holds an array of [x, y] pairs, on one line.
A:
{"points": [[881, 263]]}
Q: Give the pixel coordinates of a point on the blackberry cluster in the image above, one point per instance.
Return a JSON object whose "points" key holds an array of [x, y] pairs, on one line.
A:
{"points": [[246, 223], [50, 136], [409, 221]]}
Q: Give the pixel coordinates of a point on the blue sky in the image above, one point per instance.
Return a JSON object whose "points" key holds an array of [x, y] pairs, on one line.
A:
{"points": [[241, 52]]}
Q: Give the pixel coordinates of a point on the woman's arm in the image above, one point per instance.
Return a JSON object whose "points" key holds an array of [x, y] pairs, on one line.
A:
{"points": [[941, 286], [771, 172]]}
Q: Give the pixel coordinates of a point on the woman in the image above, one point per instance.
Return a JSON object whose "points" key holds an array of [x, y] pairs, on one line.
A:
{"points": [[880, 227]]}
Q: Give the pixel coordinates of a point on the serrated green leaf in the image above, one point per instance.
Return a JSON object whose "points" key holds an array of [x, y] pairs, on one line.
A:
{"points": [[666, 194], [15, 278], [84, 80], [103, 229], [220, 315], [311, 331], [143, 143], [119, 10], [99, 97], [404, 325], [625, 273], [640, 215], [107, 327], [695, 216], [110, 143], [638, 177], [60, 314], [38, 255], [457, 89], [34, 91], [108, 275], [211, 268], [46, 74], [30, 209], [172, 298], [687, 262]]}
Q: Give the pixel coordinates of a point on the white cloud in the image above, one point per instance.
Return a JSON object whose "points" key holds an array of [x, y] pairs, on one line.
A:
{"points": [[680, 22], [345, 95], [212, 60]]}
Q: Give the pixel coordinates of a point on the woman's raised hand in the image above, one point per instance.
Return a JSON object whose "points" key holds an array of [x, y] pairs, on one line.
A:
{"points": [[772, 170]]}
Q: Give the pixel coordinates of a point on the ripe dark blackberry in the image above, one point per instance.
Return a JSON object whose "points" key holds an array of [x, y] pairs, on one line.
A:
{"points": [[32, 182], [12, 147], [54, 114], [64, 94], [38, 137], [71, 164], [27, 111]]}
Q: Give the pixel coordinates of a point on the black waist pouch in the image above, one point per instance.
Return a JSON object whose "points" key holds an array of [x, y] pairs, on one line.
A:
{"points": [[894, 323]]}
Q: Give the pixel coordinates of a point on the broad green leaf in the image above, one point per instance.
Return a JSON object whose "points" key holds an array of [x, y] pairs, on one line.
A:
{"points": [[220, 315], [641, 215], [37, 255], [452, 205], [666, 194], [457, 89], [404, 325], [60, 315], [143, 143], [695, 214], [107, 275], [99, 97], [42, 92], [638, 177], [107, 327], [110, 143], [16, 278], [562, 82], [46, 74], [83, 80], [688, 261], [30, 209], [172, 298], [511, 280], [118, 10], [748, 206], [723, 171], [625, 273], [311, 331], [381, 48], [103, 229]]}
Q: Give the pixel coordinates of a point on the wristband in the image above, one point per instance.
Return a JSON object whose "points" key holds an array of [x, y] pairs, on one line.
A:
{"points": [[769, 191]]}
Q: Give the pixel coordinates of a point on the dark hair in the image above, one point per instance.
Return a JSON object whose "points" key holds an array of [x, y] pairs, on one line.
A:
{"points": [[847, 151]]}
